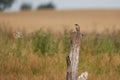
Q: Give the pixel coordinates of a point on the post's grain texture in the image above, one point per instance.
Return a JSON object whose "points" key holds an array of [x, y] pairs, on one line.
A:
{"points": [[73, 57]]}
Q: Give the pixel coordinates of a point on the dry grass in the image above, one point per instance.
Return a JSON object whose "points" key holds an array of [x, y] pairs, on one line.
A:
{"points": [[33, 67], [18, 60], [89, 20]]}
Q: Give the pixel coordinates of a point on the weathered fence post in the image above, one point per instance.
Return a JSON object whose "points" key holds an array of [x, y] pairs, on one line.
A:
{"points": [[73, 58]]}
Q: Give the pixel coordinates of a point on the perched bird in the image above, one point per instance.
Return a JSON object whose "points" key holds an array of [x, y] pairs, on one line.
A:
{"points": [[77, 27]]}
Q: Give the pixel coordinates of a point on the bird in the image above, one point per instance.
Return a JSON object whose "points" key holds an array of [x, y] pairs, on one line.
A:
{"points": [[77, 27]]}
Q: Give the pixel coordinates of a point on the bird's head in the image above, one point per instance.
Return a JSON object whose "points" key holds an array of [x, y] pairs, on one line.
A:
{"points": [[77, 27]]}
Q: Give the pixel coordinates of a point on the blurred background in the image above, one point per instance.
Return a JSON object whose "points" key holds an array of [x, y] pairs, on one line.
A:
{"points": [[16, 5], [59, 14]]}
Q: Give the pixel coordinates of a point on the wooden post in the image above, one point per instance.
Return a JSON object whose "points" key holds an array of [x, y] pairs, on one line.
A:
{"points": [[73, 58]]}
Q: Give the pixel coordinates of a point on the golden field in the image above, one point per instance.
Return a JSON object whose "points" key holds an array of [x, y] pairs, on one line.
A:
{"points": [[58, 20], [42, 56]]}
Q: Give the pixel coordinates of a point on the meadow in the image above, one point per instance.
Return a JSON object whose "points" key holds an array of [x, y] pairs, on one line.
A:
{"points": [[41, 53]]}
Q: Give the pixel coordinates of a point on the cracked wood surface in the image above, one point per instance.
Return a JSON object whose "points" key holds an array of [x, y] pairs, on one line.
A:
{"points": [[73, 58]]}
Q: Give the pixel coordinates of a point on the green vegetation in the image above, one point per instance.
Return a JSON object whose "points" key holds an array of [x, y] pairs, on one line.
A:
{"points": [[5, 4], [26, 6], [49, 5], [41, 55]]}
